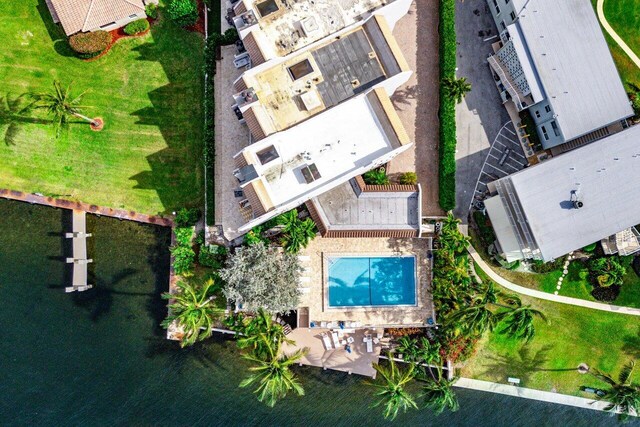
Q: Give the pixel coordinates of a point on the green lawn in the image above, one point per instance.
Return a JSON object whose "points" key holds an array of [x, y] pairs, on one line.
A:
{"points": [[624, 17], [148, 90], [574, 335]]}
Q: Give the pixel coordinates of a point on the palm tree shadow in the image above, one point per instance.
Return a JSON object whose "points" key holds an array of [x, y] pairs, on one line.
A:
{"points": [[524, 364], [631, 345]]}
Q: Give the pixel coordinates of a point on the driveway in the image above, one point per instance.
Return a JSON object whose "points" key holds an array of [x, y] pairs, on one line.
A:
{"points": [[481, 115]]}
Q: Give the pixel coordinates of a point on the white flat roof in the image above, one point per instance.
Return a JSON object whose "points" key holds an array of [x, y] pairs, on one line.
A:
{"points": [[573, 63], [605, 174], [339, 142]]}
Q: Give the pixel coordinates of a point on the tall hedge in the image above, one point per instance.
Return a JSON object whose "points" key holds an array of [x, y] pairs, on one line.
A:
{"points": [[447, 111], [183, 12]]}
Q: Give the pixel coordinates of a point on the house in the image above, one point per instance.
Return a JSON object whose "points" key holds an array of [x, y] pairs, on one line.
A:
{"points": [[552, 60], [570, 201], [286, 169], [78, 16], [275, 28]]}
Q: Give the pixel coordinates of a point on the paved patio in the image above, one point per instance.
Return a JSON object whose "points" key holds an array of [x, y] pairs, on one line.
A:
{"points": [[314, 281], [417, 100], [338, 359]]}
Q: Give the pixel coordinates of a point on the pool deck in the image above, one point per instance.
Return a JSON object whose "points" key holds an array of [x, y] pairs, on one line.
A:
{"points": [[313, 286], [357, 362]]}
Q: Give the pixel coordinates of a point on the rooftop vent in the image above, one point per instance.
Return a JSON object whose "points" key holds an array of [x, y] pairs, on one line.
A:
{"points": [[576, 200]]}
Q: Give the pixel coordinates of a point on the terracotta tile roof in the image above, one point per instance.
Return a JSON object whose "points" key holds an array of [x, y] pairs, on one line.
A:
{"points": [[87, 15]]}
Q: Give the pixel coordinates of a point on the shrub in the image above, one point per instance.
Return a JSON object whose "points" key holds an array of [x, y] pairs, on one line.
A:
{"points": [[590, 248], [136, 27], [184, 235], [183, 12], [487, 235], [607, 271], [546, 267], [409, 178], [606, 294], [151, 10], [447, 112], [213, 256], [88, 45], [183, 257], [187, 217], [376, 177]]}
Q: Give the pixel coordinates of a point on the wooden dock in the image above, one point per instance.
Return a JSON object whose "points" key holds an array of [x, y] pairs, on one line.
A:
{"points": [[79, 260]]}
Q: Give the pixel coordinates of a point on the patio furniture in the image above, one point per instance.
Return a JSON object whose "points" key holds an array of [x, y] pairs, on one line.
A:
{"points": [[350, 340], [376, 341], [323, 324], [336, 340], [326, 341], [343, 342], [369, 346]]}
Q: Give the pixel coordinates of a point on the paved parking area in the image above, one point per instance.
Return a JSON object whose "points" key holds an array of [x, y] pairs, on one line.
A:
{"points": [[505, 157]]}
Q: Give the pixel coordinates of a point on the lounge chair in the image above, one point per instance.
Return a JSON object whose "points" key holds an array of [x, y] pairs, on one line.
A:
{"points": [[326, 341], [336, 340], [369, 346]]}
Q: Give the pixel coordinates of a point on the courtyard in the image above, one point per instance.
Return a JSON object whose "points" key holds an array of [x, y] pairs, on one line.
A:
{"points": [[147, 89]]}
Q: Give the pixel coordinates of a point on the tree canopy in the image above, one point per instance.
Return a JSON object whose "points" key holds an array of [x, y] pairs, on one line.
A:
{"points": [[261, 277]]}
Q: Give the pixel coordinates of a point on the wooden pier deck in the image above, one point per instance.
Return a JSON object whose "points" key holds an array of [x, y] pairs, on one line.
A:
{"points": [[79, 260]]}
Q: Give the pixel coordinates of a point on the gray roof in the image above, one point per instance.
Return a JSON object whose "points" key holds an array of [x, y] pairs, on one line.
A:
{"points": [[605, 175], [343, 61], [346, 208], [573, 63]]}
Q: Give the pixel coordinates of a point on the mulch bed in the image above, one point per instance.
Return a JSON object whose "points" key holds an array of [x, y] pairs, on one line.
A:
{"points": [[198, 27], [116, 35]]}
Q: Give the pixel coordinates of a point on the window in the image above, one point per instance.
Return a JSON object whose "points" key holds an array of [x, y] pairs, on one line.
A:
{"points": [[547, 109], [502, 24], [310, 173], [495, 4], [544, 133], [537, 114], [133, 16], [267, 155], [300, 69], [507, 1], [554, 126], [513, 16], [267, 7]]}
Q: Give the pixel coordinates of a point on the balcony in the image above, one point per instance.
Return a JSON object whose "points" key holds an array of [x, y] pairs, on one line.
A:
{"points": [[519, 99]]}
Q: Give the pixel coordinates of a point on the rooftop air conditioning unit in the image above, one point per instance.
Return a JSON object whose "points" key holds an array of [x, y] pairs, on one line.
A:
{"points": [[576, 200]]}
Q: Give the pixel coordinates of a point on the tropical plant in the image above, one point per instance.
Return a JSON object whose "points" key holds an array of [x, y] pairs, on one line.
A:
{"points": [[408, 348], [136, 27], [296, 233], [183, 235], [89, 45], [376, 177], [193, 310], [254, 236], [212, 256], [151, 10], [260, 333], [607, 271], [391, 384], [409, 178], [438, 392], [518, 323], [273, 375], [183, 12], [456, 89], [60, 104], [261, 277], [623, 395], [183, 259]]}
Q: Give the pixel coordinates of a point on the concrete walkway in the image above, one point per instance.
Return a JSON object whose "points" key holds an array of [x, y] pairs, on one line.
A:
{"points": [[603, 20], [527, 393], [547, 296]]}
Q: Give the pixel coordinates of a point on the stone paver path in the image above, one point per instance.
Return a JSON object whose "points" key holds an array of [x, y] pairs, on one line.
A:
{"points": [[605, 24], [546, 296]]}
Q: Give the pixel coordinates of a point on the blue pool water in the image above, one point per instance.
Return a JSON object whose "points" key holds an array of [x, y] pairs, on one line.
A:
{"points": [[355, 281]]}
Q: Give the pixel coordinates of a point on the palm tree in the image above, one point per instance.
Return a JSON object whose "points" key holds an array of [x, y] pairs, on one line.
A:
{"points": [[60, 104], [475, 319], [193, 310], [518, 322], [296, 234], [439, 394], [392, 392], [456, 89], [408, 347], [272, 373], [623, 395], [261, 333]]}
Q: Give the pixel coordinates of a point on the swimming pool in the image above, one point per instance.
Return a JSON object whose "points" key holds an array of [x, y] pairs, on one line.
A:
{"points": [[372, 281]]}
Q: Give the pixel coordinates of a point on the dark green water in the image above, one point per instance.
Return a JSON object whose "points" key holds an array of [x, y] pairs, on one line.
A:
{"points": [[98, 358]]}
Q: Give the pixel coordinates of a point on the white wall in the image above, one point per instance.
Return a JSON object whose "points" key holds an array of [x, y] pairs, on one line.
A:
{"points": [[394, 11]]}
